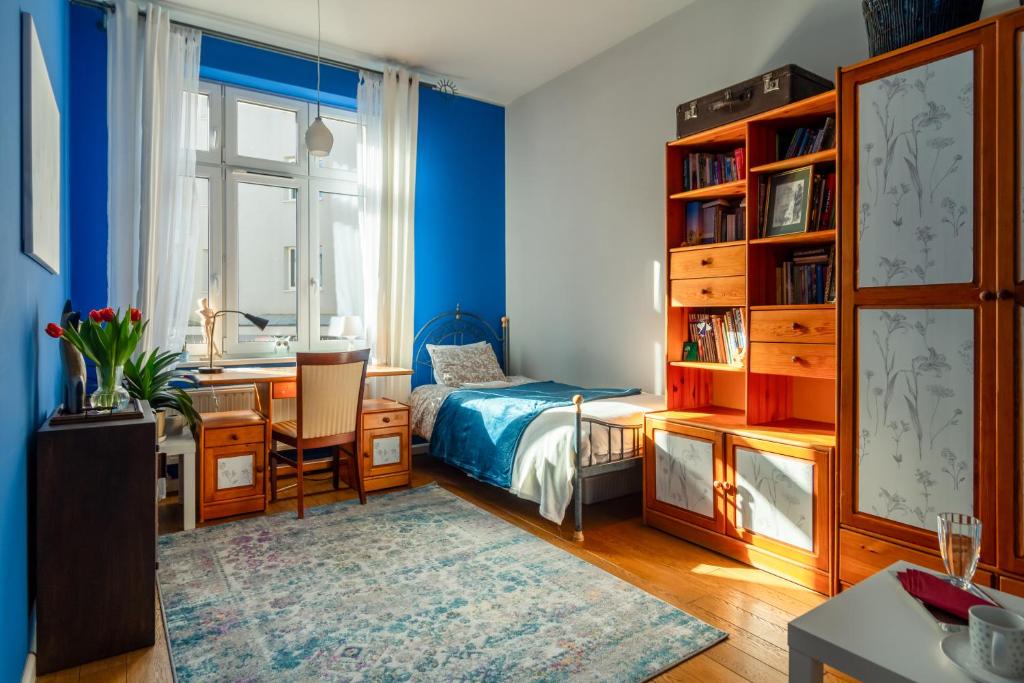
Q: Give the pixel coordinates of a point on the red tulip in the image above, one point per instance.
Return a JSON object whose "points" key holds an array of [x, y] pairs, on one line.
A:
{"points": [[95, 316], [107, 314], [136, 315], [55, 330]]}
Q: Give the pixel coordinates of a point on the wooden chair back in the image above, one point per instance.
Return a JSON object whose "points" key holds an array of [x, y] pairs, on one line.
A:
{"points": [[330, 396]]}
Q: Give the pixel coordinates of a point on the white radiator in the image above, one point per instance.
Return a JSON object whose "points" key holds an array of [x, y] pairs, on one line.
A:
{"points": [[219, 399]]}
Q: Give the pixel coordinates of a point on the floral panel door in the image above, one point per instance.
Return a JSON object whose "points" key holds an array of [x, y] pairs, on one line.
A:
{"points": [[918, 297], [684, 474], [778, 498]]}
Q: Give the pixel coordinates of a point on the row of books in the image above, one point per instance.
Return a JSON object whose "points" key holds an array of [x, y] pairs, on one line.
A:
{"points": [[716, 337], [719, 220], [809, 278], [702, 169], [808, 140]]}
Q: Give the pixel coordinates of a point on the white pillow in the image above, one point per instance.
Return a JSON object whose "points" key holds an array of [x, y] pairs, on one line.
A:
{"points": [[456, 365]]}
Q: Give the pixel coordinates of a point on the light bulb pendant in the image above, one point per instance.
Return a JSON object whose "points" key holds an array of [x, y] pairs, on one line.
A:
{"points": [[319, 139]]}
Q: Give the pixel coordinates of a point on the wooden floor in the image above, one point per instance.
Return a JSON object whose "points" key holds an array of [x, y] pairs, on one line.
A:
{"points": [[752, 606]]}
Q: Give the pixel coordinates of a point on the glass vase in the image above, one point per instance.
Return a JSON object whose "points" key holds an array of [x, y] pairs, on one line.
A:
{"points": [[109, 391]]}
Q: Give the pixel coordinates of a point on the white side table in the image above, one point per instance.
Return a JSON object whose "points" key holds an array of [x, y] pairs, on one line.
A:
{"points": [[873, 632]]}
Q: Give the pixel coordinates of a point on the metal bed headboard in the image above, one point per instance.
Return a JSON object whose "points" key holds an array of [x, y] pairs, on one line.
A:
{"points": [[456, 327]]}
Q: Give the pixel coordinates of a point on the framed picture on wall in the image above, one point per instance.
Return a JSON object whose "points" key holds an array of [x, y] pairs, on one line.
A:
{"points": [[789, 202], [40, 154]]}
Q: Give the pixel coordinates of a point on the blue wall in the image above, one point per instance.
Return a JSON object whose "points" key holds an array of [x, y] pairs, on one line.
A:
{"points": [[31, 297], [460, 183]]}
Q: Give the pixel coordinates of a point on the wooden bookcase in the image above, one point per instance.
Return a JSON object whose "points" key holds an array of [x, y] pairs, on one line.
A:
{"points": [[781, 401]]}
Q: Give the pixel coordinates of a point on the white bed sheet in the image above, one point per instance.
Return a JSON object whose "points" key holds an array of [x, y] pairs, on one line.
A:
{"points": [[544, 464]]}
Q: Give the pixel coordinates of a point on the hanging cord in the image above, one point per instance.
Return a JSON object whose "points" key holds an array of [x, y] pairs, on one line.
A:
{"points": [[318, 58]]}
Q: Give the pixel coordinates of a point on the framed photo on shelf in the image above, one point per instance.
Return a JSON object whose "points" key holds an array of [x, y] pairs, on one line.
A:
{"points": [[789, 202]]}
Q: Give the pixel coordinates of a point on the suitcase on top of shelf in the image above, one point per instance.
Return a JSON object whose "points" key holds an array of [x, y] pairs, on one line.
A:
{"points": [[776, 88]]}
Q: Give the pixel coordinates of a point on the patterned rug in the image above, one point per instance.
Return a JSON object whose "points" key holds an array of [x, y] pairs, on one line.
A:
{"points": [[416, 585]]}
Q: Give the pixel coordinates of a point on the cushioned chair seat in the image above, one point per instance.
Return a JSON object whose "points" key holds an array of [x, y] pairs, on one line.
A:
{"points": [[290, 456], [287, 427]]}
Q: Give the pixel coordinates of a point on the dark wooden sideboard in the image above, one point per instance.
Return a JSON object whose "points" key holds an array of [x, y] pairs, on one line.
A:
{"points": [[94, 515]]}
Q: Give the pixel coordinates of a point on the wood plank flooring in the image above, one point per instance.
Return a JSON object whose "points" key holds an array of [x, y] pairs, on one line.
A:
{"points": [[752, 606]]}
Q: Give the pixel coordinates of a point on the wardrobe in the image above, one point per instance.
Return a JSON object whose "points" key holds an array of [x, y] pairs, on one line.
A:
{"points": [[931, 300]]}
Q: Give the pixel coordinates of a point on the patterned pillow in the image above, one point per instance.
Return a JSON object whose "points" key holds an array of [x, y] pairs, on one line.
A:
{"points": [[456, 365]]}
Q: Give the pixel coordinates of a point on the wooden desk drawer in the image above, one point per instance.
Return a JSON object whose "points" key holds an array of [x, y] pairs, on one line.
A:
{"points": [[230, 436], [806, 325], [389, 419], [861, 556], [712, 262], [285, 389], [712, 291], [800, 360]]}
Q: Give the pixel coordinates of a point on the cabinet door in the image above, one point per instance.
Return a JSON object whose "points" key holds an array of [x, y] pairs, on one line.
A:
{"points": [[385, 451], [684, 474], [231, 472], [778, 498], [1010, 436], [919, 291]]}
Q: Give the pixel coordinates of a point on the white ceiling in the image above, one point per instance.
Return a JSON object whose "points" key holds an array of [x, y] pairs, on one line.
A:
{"points": [[495, 51]]}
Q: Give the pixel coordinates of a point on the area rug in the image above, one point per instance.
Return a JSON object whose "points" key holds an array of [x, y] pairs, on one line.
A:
{"points": [[414, 586]]}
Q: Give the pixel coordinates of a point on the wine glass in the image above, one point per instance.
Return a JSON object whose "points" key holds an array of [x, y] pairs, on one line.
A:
{"points": [[960, 544]]}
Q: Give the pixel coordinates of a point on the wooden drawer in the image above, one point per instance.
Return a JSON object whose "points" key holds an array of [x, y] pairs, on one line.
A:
{"points": [[804, 325], [385, 451], [285, 389], [712, 262], [389, 419], [714, 291], [230, 436], [1011, 585], [861, 556], [800, 360]]}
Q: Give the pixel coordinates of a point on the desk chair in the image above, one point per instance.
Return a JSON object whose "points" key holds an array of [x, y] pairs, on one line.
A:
{"points": [[329, 410]]}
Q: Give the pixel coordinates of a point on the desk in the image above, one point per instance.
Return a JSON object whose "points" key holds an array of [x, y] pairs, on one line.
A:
{"points": [[874, 632], [277, 374]]}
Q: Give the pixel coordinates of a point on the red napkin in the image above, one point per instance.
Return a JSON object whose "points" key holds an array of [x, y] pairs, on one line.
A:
{"points": [[939, 593]]}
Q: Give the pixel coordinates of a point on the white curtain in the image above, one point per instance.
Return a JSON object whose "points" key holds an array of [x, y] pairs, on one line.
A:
{"points": [[400, 115], [124, 152], [371, 181], [154, 257]]}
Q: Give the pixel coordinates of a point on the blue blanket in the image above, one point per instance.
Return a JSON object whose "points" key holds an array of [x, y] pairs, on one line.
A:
{"points": [[478, 430]]}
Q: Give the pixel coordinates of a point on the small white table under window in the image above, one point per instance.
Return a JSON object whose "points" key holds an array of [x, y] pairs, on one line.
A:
{"points": [[875, 633]]}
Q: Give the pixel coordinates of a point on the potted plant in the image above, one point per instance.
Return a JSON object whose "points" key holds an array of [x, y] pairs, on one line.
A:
{"points": [[108, 338], [148, 377]]}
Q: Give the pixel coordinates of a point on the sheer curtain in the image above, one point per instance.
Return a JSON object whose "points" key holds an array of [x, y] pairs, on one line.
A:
{"points": [[371, 181], [151, 259], [400, 114]]}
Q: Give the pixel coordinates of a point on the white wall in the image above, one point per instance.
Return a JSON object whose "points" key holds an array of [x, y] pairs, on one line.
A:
{"points": [[585, 177]]}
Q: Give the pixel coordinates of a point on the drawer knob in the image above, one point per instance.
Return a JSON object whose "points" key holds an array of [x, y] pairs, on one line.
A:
{"points": [[795, 359], [234, 436], [796, 325], [1005, 294], [706, 261], [705, 291], [386, 420], [986, 295]]}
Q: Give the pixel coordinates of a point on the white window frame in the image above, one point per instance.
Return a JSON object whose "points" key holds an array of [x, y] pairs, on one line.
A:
{"points": [[232, 96], [315, 171], [215, 176], [215, 96], [316, 186], [231, 343]]}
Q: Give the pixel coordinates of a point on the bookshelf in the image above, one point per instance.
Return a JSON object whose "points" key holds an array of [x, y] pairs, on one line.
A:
{"points": [[727, 424], [768, 388]]}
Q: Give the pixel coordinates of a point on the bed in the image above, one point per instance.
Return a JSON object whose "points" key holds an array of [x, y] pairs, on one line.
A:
{"points": [[546, 442]]}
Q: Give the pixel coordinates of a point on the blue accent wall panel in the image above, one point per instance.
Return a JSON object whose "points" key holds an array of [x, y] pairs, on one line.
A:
{"points": [[460, 207], [31, 297]]}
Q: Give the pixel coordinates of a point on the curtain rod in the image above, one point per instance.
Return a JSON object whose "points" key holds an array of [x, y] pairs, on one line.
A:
{"points": [[109, 7]]}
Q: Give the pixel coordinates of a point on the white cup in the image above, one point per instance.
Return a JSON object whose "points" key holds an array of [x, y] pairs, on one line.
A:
{"points": [[997, 640]]}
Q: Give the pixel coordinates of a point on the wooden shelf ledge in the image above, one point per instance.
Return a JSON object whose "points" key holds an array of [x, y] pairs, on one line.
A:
{"points": [[821, 157], [700, 365], [736, 188], [816, 237]]}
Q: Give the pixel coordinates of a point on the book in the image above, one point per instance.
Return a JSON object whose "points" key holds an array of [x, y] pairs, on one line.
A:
{"points": [[807, 277], [718, 220], [807, 139]]}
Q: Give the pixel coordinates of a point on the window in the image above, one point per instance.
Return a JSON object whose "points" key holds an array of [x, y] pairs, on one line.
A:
{"points": [[279, 230]]}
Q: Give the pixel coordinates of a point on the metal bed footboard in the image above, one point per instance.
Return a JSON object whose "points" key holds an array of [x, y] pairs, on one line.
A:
{"points": [[617, 460]]}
